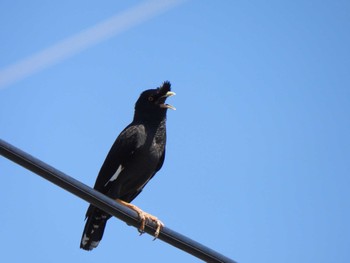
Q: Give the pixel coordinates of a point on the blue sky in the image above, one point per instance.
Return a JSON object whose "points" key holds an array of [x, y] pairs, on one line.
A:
{"points": [[258, 151]]}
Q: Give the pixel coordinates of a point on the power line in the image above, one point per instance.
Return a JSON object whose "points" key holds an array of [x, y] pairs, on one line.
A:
{"points": [[107, 204]]}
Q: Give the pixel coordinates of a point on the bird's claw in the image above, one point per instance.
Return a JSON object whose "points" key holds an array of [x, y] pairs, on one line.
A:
{"points": [[144, 218], [159, 224]]}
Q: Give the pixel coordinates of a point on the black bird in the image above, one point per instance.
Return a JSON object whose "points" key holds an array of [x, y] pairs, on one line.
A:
{"points": [[135, 157]]}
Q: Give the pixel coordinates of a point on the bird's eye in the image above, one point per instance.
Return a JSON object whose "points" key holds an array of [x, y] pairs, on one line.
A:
{"points": [[150, 98]]}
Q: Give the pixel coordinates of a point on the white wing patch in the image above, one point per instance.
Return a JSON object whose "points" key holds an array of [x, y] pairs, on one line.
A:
{"points": [[116, 174]]}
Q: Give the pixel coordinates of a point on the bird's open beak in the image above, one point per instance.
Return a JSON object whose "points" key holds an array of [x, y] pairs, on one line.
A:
{"points": [[168, 106]]}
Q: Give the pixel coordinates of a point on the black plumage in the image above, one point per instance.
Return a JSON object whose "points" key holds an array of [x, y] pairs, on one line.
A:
{"points": [[135, 157]]}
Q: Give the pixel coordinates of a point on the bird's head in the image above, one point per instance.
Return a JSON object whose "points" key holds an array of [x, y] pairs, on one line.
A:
{"points": [[152, 101]]}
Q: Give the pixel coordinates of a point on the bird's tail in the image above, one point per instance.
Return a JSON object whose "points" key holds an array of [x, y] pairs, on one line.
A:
{"points": [[94, 228]]}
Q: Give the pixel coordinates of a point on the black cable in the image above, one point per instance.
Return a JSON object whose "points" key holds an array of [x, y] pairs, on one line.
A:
{"points": [[105, 203]]}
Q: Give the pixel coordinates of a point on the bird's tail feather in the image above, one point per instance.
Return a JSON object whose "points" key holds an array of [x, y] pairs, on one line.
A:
{"points": [[94, 228]]}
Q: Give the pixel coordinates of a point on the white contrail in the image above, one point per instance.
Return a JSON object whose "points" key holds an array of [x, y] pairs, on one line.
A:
{"points": [[84, 39]]}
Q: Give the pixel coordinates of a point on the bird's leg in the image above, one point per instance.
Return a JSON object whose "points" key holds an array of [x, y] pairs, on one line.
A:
{"points": [[140, 213], [143, 217]]}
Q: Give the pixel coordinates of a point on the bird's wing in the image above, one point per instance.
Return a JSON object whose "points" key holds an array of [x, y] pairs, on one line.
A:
{"points": [[128, 141]]}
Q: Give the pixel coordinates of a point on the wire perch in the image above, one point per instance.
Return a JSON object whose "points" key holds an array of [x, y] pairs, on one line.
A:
{"points": [[109, 205]]}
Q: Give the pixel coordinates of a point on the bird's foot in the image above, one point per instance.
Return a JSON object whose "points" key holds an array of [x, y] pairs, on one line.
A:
{"points": [[144, 218], [149, 217]]}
